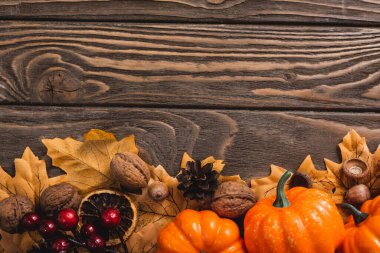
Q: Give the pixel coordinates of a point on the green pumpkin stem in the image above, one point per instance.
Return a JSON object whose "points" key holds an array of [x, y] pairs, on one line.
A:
{"points": [[281, 199], [358, 215]]}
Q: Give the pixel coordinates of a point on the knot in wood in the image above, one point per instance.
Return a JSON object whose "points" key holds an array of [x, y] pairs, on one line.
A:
{"points": [[59, 86]]}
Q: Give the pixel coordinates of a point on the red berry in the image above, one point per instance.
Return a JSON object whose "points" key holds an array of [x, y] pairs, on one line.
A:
{"points": [[47, 228], [67, 219], [110, 218], [88, 230], [60, 245], [31, 221], [96, 244]]}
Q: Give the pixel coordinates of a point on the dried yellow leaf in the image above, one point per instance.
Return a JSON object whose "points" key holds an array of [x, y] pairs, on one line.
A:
{"points": [[218, 165], [324, 180], [153, 215], [97, 134], [87, 163], [266, 186], [30, 180]]}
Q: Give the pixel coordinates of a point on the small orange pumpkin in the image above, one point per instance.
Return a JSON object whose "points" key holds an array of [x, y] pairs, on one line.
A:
{"points": [[204, 231], [363, 228], [300, 221]]}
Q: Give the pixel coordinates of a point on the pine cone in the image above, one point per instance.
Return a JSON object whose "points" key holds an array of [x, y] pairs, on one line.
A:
{"points": [[198, 182]]}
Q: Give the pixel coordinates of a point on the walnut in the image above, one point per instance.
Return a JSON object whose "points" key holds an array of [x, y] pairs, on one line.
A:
{"points": [[130, 171], [158, 191], [12, 209], [59, 196], [232, 199]]}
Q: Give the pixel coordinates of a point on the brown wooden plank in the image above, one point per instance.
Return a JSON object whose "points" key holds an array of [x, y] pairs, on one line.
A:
{"points": [[221, 66], [321, 11], [248, 140]]}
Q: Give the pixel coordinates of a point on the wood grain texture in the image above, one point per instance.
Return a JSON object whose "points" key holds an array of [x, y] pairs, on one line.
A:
{"points": [[321, 11], [248, 140], [215, 66]]}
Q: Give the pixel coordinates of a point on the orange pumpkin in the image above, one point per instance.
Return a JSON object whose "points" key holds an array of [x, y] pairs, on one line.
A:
{"points": [[204, 231], [299, 221], [363, 228]]}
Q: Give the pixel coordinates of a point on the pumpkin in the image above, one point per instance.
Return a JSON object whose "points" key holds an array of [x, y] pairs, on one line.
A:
{"points": [[362, 228], [194, 232], [298, 220]]}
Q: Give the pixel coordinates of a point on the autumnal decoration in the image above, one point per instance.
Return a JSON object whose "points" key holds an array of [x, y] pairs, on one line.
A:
{"points": [[297, 220], [193, 232], [113, 211], [362, 228], [232, 199], [130, 206]]}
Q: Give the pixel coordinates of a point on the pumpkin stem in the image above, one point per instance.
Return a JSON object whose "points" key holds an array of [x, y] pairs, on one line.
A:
{"points": [[281, 199], [358, 215]]}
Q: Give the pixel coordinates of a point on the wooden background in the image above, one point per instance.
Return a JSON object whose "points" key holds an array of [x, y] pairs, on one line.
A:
{"points": [[253, 82]]}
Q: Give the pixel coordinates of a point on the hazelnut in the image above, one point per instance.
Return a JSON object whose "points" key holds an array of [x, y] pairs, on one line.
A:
{"points": [[12, 210], [130, 170], [232, 199], [158, 191], [357, 195], [59, 196]]}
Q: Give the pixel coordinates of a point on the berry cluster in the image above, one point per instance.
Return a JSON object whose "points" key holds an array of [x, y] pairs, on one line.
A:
{"points": [[61, 234]]}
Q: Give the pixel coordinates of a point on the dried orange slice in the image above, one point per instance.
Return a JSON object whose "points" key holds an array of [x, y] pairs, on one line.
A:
{"points": [[95, 203]]}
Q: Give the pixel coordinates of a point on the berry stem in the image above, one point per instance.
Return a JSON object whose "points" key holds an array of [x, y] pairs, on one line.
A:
{"points": [[77, 243], [76, 234]]}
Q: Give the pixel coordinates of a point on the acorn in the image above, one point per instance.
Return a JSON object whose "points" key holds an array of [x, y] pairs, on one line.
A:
{"points": [[158, 191], [12, 210], [357, 195]]}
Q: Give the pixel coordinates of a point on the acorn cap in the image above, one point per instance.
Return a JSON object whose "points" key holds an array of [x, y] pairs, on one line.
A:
{"points": [[355, 171]]}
